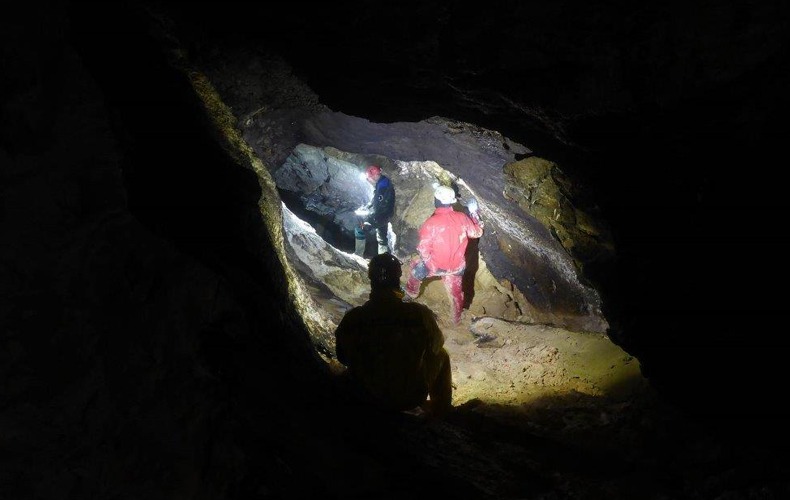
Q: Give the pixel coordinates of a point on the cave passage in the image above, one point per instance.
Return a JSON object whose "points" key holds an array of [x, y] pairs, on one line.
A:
{"points": [[324, 225], [324, 191]]}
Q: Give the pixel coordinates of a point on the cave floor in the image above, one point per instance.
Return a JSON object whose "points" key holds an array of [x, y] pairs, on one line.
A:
{"points": [[544, 412]]}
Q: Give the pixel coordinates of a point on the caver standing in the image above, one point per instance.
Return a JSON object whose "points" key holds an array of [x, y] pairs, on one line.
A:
{"points": [[377, 213], [443, 239]]}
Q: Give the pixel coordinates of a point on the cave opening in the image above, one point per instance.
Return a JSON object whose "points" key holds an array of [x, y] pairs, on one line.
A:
{"points": [[326, 191], [526, 275]]}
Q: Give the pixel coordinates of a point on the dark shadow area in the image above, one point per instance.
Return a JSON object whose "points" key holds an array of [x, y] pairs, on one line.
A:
{"points": [[182, 190], [698, 251], [325, 227], [180, 184], [662, 455], [472, 256]]}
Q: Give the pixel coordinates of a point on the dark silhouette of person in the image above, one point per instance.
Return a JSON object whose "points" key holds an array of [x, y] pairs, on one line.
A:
{"points": [[394, 350]]}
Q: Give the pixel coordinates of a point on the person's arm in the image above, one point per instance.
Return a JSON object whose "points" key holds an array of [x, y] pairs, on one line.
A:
{"points": [[387, 200], [382, 202], [371, 205], [474, 214], [425, 245], [474, 227], [373, 208]]}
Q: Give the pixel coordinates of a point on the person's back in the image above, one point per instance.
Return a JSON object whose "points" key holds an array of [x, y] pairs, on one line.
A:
{"points": [[443, 239], [394, 350], [444, 236]]}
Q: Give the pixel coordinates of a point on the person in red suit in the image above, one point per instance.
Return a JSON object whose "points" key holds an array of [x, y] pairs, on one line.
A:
{"points": [[443, 239]]}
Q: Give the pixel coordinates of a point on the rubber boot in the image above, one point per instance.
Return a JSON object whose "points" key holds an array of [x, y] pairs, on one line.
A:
{"points": [[392, 239], [381, 240], [359, 242]]}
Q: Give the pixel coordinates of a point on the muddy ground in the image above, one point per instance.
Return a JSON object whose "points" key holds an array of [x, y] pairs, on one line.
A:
{"points": [[543, 412]]}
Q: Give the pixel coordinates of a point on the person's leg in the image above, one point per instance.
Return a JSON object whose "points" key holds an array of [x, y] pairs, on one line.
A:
{"points": [[381, 239], [417, 273], [453, 283]]}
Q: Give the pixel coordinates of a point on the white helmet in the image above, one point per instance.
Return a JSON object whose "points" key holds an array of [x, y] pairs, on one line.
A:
{"points": [[445, 195]]}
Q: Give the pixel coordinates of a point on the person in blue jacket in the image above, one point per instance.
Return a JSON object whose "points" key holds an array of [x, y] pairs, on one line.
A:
{"points": [[378, 212]]}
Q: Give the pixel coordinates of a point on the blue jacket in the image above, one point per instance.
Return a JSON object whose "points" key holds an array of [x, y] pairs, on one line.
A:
{"points": [[382, 206]]}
